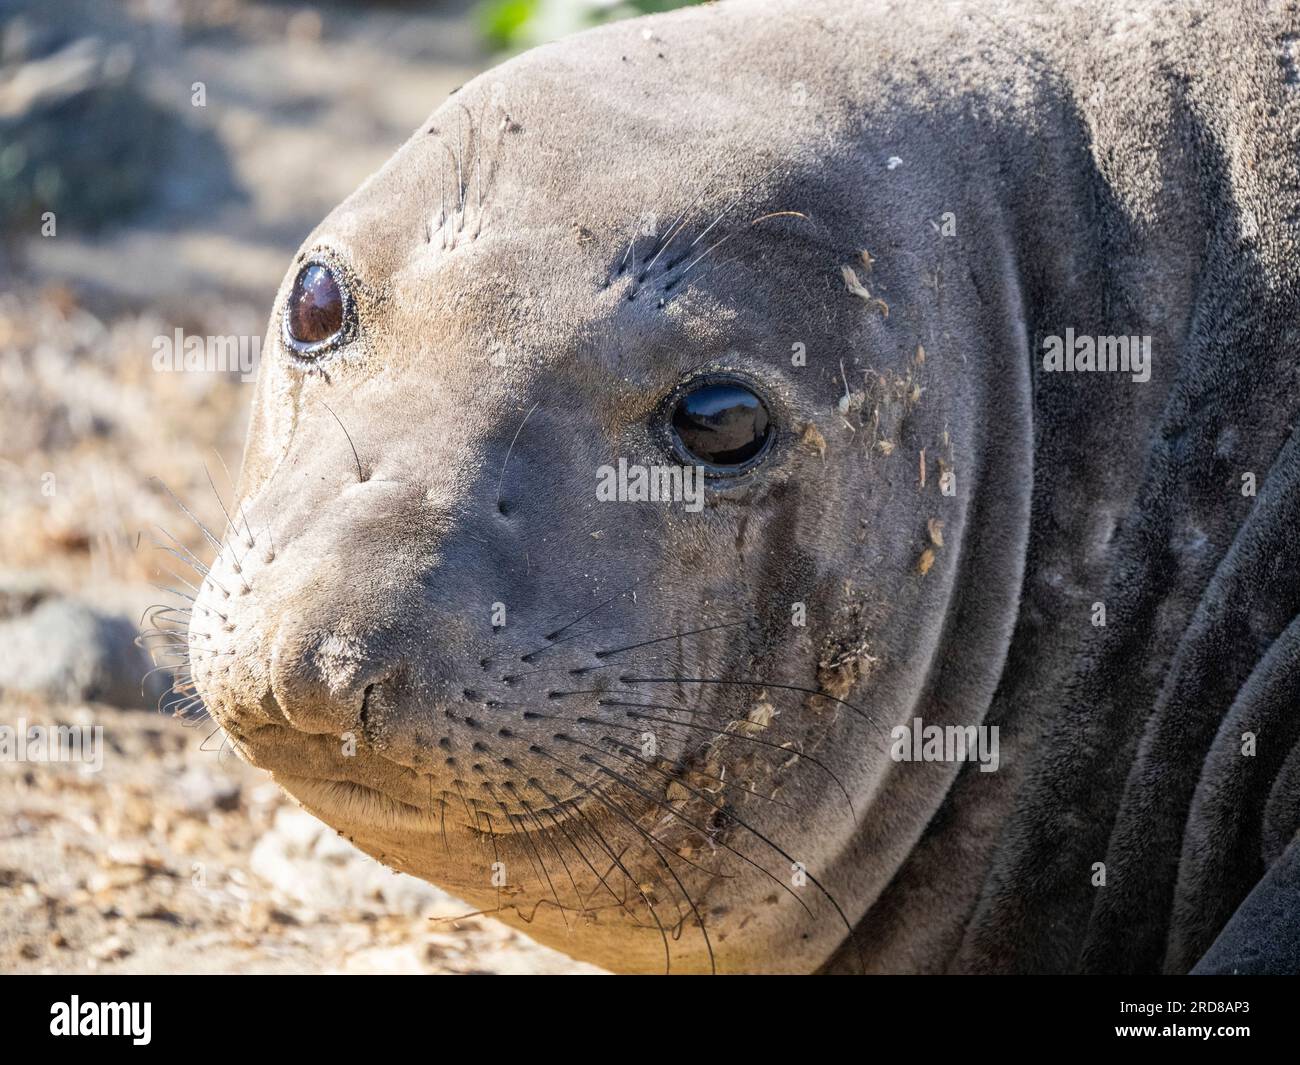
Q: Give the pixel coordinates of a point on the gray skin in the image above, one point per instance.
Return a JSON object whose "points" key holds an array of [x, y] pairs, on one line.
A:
{"points": [[517, 320]]}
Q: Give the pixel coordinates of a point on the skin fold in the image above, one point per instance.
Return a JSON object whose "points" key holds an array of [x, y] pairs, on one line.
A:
{"points": [[872, 214]]}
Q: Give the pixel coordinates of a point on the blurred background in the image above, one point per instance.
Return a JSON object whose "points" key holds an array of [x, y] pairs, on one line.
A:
{"points": [[160, 160]]}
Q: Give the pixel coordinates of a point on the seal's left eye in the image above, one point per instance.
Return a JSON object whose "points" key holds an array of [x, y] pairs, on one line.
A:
{"points": [[314, 315]]}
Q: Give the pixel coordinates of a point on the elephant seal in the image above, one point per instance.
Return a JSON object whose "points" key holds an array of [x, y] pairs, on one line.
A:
{"points": [[970, 329]]}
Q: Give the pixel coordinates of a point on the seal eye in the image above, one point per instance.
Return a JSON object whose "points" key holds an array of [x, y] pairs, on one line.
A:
{"points": [[721, 424], [314, 316]]}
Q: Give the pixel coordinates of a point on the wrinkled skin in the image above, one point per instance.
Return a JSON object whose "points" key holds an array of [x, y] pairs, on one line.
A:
{"points": [[515, 322]]}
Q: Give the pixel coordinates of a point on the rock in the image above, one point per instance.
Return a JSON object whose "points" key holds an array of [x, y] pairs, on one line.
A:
{"points": [[202, 791], [110, 949], [312, 865], [63, 651], [79, 138]]}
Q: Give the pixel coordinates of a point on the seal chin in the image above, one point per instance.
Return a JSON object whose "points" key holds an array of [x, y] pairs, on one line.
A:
{"points": [[344, 802]]}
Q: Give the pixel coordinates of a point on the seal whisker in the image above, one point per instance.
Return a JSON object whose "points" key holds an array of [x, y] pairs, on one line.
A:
{"points": [[563, 830], [713, 268], [460, 187], [678, 222], [510, 449], [233, 492], [361, 477], [725, 734], [510, 678], [655, 846], [216, 544], [150, 673], [629, 754], [527, 656], [756, 684], [704, 832], [546, 874], [468, 812], [644, 832], [551, 638], [189, 557], [514, 792], [633, 881], [165, 612], [496, 857], [731, 815], [622, 266], [670, 636], [184, 707], [723, 240], [230, 524], [178, 577], [198, 567], [705, 232], [203, 746]]}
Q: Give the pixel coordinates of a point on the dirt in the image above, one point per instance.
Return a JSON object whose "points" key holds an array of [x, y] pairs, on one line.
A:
{"points": [[175, 856]]}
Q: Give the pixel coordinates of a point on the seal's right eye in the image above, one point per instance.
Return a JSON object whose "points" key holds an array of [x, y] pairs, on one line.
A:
{"points": [[721, 424], [315, 314]]}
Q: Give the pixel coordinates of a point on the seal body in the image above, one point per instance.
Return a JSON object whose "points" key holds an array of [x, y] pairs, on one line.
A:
{"points": [[665, 738]]}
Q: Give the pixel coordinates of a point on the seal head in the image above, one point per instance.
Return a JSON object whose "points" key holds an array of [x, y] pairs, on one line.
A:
{"points": [[596, 714]]}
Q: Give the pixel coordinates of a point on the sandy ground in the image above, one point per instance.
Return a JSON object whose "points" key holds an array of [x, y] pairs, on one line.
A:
{"points": [[177, 857]]}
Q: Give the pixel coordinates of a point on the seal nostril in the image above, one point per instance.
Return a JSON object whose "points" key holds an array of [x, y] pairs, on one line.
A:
{"points": [[363, 718], [502, 508], [470, 695]]}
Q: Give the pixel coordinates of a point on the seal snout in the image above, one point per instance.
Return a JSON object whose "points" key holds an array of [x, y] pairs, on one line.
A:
{"points": [[319, 637], [323, 681]]}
